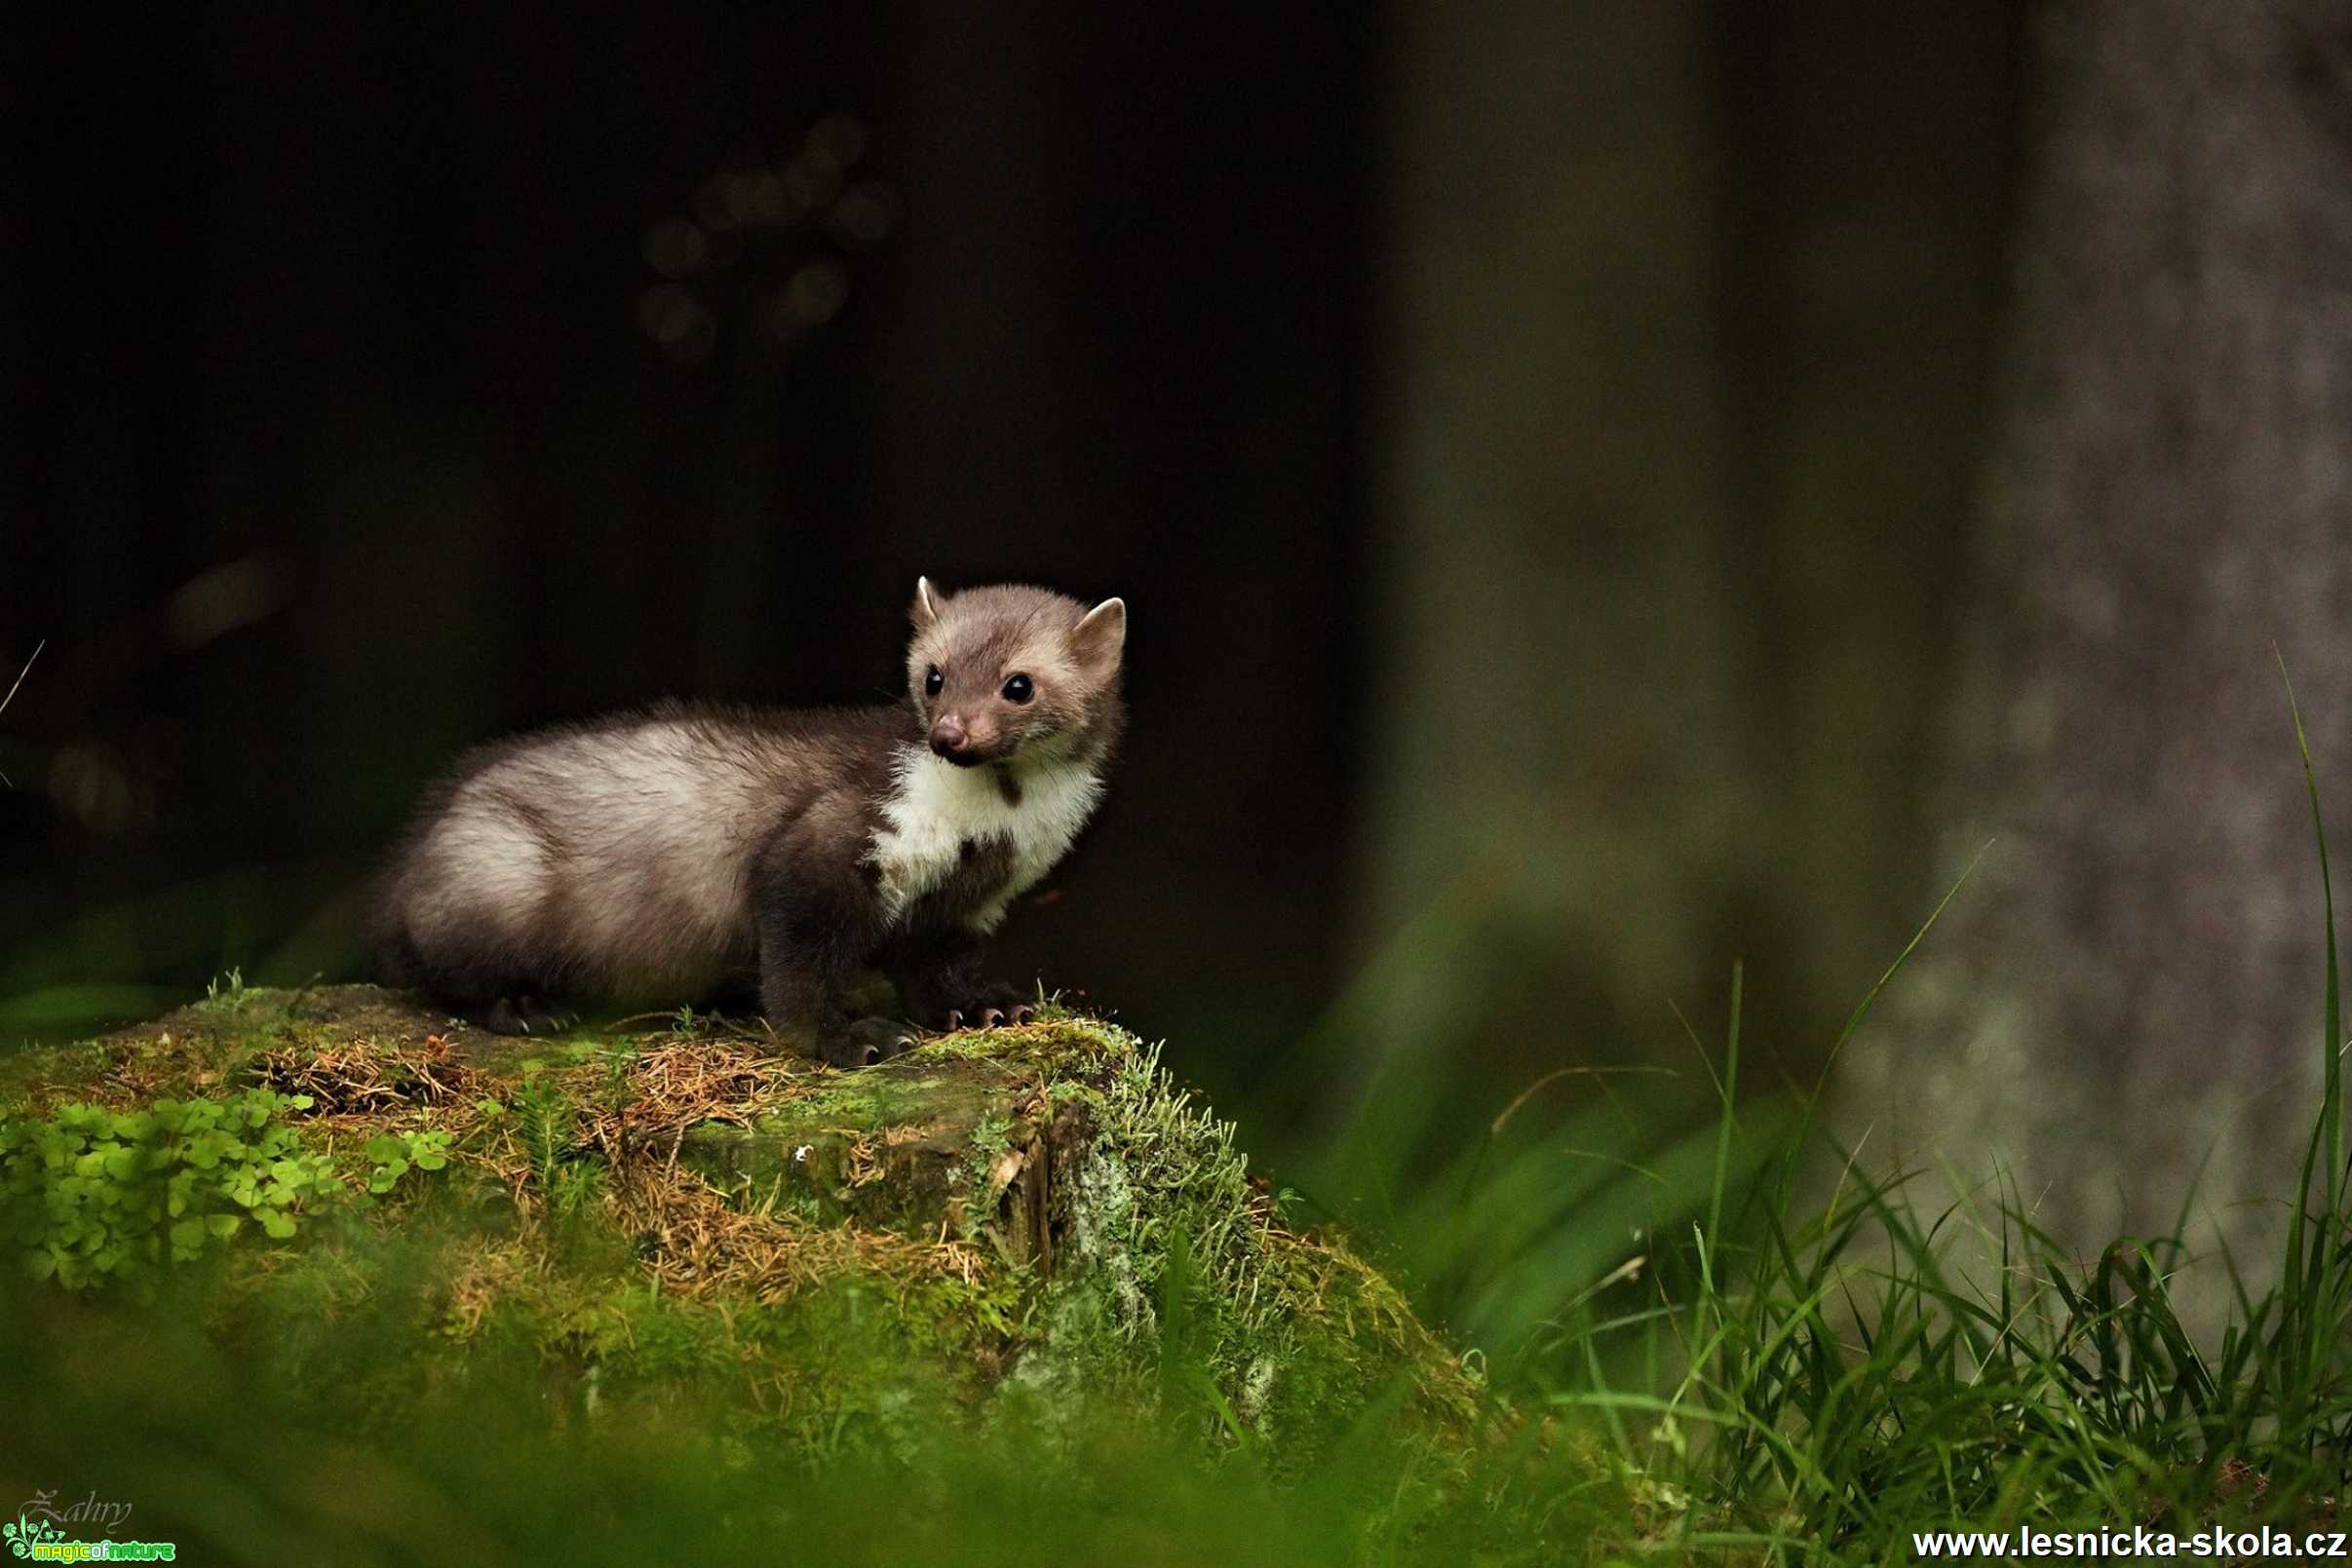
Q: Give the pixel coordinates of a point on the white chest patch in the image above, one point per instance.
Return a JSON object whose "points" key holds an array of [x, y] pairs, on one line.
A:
{"points": [[938, 806]]}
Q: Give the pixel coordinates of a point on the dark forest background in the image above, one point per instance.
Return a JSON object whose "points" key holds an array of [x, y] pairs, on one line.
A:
{"points": [[339, 441], [1544, 450]]}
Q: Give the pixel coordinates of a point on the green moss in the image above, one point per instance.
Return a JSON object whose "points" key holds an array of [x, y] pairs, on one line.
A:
{"points": [[1186, 1268], [1064, 1043], [1028, 1224]]}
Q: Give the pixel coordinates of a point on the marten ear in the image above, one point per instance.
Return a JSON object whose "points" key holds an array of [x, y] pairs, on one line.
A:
{"points": [[1099, 639], [926, 611]]}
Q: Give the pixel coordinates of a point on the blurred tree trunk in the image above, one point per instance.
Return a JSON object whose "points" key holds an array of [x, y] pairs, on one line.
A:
{"points": [[1687, 336], [1555, 743], [1872, 149], [2134, 976]]}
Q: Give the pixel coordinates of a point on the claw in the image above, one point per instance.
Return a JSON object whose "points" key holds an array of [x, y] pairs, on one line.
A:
{"points": [[867, 1043], [955, 1019], [1022, 1013], [990, 1017]]}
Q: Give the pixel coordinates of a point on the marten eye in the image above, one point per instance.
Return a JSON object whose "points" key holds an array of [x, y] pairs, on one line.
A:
{"points": [[933, 682], [1019, 690]]}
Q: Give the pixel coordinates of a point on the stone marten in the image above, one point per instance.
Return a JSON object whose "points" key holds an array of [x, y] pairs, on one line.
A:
{"points": [[659, 855]]}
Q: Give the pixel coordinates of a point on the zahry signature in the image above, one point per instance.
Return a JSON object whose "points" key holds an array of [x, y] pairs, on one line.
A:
{"points": [[88, 1511]]}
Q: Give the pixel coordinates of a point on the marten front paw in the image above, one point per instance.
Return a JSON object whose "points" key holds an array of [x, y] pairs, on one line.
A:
{"points": [[526, 1014], [867, 1042], [990, 1009]]}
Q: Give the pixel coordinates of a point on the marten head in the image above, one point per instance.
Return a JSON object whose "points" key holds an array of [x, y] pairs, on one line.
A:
{"points": [[1006, 672]]}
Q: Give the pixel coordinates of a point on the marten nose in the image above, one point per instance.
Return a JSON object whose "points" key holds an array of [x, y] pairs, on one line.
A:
{"points": [[947, 737]]}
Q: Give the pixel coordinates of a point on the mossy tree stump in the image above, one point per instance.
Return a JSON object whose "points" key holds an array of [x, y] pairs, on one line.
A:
{"points": [[1033, 1215]]}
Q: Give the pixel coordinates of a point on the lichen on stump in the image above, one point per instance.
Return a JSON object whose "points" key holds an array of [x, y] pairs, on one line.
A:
{"points": [[1004, 1225]]}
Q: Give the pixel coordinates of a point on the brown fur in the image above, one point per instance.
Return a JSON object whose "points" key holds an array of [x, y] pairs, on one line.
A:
{"points": [[655, 856]]}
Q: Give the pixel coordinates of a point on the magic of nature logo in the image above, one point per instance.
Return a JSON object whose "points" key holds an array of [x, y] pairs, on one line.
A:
{"points": [[38, 1533]]}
